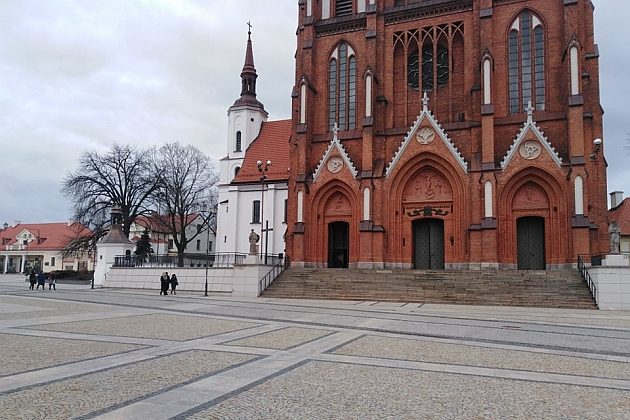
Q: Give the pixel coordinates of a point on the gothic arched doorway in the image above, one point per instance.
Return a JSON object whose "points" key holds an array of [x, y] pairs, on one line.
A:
{"points": [[530, 234], [428, 244], [338, 244]]}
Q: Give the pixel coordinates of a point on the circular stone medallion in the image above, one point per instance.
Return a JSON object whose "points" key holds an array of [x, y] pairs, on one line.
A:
{"points": [[530, 150], [335, 164], [425, 135]]}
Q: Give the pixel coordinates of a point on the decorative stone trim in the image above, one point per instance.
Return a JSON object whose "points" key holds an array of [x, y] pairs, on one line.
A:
{"points": [[335, 144], [439, 131], [530, 124]]}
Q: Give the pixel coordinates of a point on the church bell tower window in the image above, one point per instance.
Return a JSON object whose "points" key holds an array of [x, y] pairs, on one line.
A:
{"points": [[343, 7], [238, 146]]}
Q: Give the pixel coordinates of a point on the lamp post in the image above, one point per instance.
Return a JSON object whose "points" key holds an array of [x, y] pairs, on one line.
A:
{"points": [[262, 170], [207, 216]]}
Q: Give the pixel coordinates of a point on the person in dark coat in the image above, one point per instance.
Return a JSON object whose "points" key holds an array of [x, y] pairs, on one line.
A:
{"points": [[164, 283], [41, 280], [174, 284], [52, 281], [32, 278]]}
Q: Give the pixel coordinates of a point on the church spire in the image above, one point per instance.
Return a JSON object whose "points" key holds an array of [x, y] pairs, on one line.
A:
{"points": [[248, 76]]}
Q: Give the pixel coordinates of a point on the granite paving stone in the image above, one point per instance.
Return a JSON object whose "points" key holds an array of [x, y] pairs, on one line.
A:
{"points": [[460, 354], [324, 390], [281, 339], [26, 353], [158, 326], [83, 395]]}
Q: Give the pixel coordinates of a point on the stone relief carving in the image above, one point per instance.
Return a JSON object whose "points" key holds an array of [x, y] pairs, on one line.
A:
{"points": [[335, 164], [425, 135], [428, 186], [530, 150], [530, 196]]}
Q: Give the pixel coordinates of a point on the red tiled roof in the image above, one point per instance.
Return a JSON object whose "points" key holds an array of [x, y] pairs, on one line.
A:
{"points": [[48, 236], [621, 214], [161, 224], [271, 144]]}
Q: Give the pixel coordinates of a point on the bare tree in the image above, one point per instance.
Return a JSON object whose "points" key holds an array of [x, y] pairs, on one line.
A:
{"points": [[120, 177], [187, 180]]}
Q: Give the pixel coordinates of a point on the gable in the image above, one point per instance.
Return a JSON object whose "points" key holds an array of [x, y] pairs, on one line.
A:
{"points": [[530, 143], [335, 158], [426, 130]]}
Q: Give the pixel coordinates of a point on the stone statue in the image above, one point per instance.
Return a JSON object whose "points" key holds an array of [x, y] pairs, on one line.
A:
{"points": [[253, 242], [615, 236]]}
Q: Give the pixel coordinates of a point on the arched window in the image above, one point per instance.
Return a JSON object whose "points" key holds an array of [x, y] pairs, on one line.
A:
{"points": [[238, 168], [526, 63], [237, 147], [342, 88]]}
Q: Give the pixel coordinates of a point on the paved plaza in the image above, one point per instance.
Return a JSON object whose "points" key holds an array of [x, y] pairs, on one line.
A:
{"points": [[132, 354]]}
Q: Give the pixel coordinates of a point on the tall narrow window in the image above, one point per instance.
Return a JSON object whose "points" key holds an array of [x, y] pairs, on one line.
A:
{"points": [[526, 63], [238, 145], [256, 211], [433, 67], [342, 88]]}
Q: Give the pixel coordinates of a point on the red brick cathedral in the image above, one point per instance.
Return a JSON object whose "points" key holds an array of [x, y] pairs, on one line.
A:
{"points": [[446, 134]]}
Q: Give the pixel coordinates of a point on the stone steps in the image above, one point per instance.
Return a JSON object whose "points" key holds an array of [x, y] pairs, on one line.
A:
{"points": [[559, 289]]}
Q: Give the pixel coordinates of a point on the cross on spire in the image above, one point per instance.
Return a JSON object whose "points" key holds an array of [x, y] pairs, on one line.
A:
{"points": [[249, 31], [425, 102]]}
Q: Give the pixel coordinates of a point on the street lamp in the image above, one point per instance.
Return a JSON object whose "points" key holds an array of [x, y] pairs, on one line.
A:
{"points": [[262, 170], [207, 216]]}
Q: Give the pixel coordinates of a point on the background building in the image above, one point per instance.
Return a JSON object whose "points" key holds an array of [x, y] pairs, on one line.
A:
{"points": [[27, 246], [245, 201], [446, 134]]}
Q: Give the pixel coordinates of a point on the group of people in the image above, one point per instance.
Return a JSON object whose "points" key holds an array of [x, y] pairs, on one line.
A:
{"points": [[166, 282], [40, 279]]}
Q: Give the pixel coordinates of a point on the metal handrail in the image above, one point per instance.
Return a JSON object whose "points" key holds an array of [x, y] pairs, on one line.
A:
{"points": [[275, 271], [583, 269], [217, 259]]}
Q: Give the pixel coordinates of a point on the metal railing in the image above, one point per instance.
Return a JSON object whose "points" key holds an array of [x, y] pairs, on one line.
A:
{"points": [[280, 265], [217, 259], [583, 269]]}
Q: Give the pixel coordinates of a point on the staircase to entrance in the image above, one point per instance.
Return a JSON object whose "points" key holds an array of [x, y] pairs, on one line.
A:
{"points": [[550, 289]]}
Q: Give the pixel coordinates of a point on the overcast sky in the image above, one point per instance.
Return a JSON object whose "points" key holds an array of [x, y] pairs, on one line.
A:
{"points": [[81, 75]]}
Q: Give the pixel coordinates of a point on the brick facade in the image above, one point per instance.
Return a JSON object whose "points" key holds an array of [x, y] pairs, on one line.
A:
{"points": [[428, 165]]}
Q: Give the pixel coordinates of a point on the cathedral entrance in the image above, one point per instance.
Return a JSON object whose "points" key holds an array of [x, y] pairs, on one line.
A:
{"points": [[428, 244], [338, 240], [530, 233]]}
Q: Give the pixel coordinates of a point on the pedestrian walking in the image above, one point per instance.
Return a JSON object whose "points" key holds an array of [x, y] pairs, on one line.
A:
{"points": [[174, 284], [41, 280], [164, 283], [32, 278], [51, 281]]}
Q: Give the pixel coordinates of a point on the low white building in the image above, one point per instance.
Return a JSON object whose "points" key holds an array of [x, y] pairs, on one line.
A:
{"points": [[162, 240], [247, 203], [38, 246]]}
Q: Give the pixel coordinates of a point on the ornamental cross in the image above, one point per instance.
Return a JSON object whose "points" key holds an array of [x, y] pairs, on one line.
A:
{"points": [[425, 102], [335, 129], [249, 24], [530, 111]]}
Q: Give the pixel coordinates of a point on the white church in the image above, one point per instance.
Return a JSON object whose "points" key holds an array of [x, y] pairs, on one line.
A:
{"points": [[254, 175]]}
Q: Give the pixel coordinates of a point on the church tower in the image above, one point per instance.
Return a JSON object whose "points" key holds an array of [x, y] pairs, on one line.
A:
{"points": [[247, 203], [446, 134], [245, 118]]}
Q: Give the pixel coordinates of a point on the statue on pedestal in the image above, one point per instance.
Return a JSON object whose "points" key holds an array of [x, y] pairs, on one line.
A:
{"points": [[615, 236], [253, 242]]}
